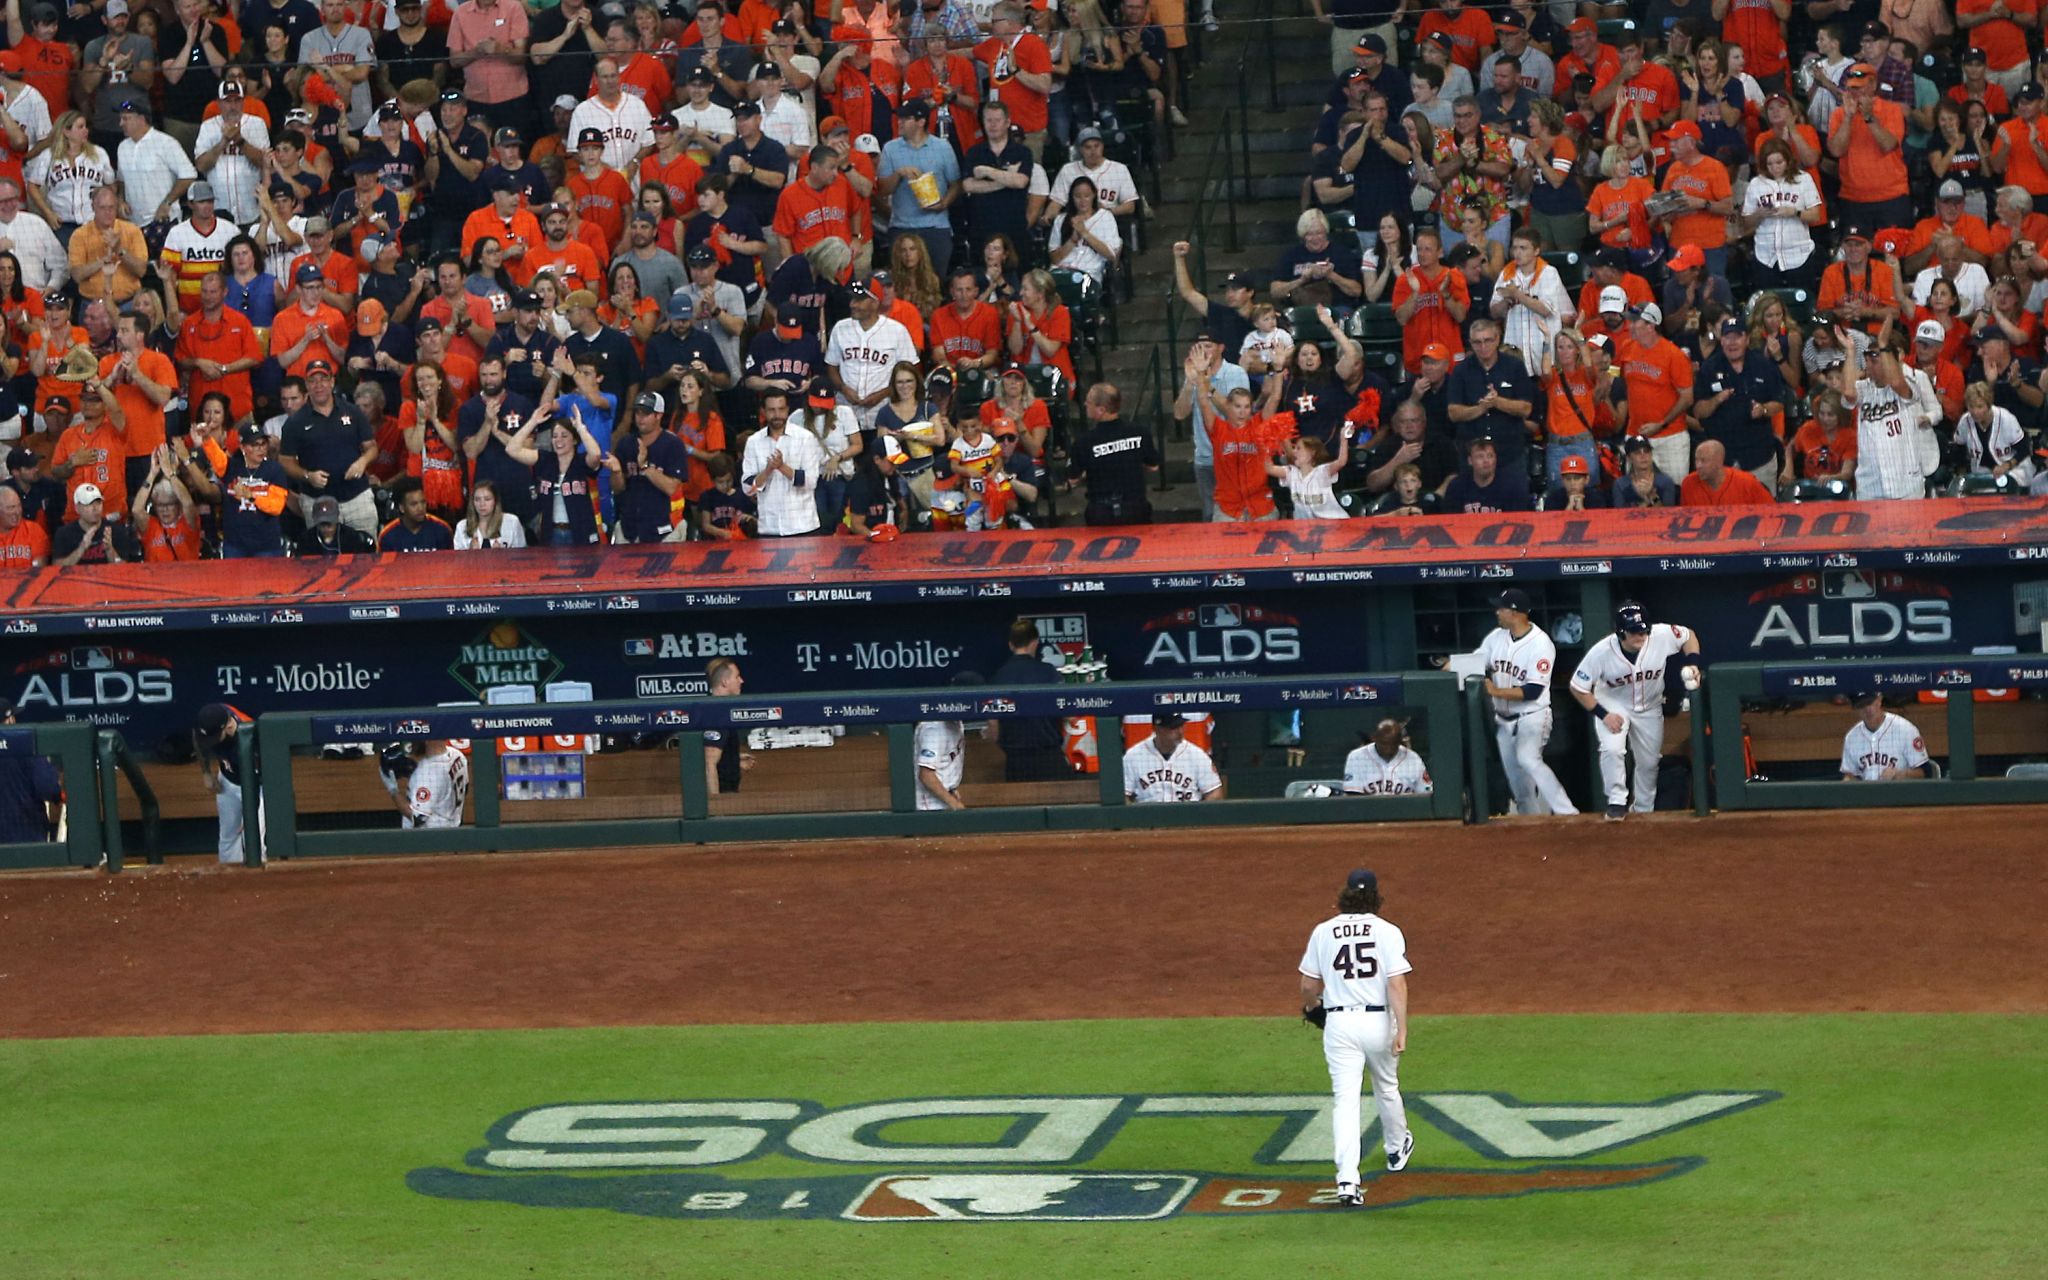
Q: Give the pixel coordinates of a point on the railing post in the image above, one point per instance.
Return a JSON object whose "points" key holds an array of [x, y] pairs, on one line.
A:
{"points": [[1229, 164], [1701, 763], [902, 754], [252, 796], [1476, 738], [1109, 760], [696, 787], [1962, 735], [110, 800]]}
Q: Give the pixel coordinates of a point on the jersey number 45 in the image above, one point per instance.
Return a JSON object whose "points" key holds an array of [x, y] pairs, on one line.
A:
{"points": [[1353, 962]]}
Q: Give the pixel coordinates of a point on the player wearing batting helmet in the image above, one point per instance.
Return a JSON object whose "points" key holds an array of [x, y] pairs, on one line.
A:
{"points": [[1354, 985]]}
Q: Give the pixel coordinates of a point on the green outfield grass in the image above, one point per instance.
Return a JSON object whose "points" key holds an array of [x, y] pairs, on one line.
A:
{"points": [[1899, 1145]]}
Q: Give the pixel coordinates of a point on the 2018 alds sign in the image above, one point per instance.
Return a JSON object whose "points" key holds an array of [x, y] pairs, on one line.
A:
{"points": [[1057, 1160]]}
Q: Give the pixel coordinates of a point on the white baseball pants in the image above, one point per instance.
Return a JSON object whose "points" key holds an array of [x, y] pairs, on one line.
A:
{"points": [[1536, 789], [1643, 733], [227, 805], [1354, 1042]]}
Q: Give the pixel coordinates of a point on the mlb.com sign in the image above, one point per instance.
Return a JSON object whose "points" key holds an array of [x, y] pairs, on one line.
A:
{"points": [[1056, 1161]]}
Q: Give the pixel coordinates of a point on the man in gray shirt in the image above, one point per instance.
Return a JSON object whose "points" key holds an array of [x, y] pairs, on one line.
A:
{"points": [[721, 307], [659, 271], [1538, 73], [116, 66], [348, 51]]}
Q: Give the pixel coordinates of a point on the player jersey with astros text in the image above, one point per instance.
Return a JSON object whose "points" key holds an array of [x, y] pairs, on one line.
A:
{"points": [[1889, 459], [1624, 683], [1354, 955], [1894, 744], [941, 747], [1188, 774], [1512, 663], [866, 357], [1368, 773], [439, 785]]}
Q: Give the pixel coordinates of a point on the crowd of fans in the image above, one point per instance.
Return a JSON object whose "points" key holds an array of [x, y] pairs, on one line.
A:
{"points": [[280, 277], [1560, 256]]}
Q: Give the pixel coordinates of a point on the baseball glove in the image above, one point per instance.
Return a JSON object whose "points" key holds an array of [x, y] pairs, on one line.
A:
{"points": [[1315, 1016]]}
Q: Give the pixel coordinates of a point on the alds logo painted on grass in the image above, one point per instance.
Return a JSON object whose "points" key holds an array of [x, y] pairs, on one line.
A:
{"points": [[1019, 1159]]}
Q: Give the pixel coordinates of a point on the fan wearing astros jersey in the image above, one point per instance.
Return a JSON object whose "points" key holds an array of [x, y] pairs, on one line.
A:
{"points": [[1167, 769], [1385, 766], [1881, 747]]}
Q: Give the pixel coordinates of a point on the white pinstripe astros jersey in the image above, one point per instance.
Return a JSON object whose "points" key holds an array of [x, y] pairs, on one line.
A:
{"points": [[1894, 435], [1368, 773], [1512, 663], [1149, 778], [1894, 744], [439, 784], [1624, 683]]}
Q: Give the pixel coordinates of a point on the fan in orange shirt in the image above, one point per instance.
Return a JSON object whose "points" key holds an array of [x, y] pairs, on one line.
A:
{"points": [[818, 206], [1430, 301], [515, 230], [670, 165], [165, 513], [1470, 30], [600, 194], [573, 263]]}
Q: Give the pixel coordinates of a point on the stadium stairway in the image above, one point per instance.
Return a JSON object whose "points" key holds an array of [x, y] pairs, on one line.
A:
{"points": [[1279, 161]]}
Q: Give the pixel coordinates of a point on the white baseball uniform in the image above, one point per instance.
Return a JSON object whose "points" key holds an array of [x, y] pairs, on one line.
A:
{"points": [[1633, 688], [1368, 773], [1894, 744], [627, 130], [1895, 444], [942, 748], [866, 357], [1521, 728], [439, 784], [1355, 955], [1186, 775]]}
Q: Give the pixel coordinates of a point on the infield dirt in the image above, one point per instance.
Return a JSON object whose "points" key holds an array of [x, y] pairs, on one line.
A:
{"points": [[1940, 910]]}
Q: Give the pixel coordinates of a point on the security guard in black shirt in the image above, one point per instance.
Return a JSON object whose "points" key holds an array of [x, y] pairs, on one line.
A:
{"points": [[1114, 458]]}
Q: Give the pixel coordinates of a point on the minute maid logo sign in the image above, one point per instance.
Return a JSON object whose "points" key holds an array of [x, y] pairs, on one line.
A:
{"points": [[1051, 1159], [504, 655]]}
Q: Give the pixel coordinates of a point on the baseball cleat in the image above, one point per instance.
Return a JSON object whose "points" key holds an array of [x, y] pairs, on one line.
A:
{"points": [[1398, 1160], [1349, 1196], [1616, 812]]}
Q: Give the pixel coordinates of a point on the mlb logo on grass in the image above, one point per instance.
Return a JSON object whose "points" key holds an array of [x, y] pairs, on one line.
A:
{"points": [[1036, 1197]]}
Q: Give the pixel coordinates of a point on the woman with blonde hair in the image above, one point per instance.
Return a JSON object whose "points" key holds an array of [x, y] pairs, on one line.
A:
{"points": [[1580, 412], [1016, 408], [1614, 208], [487, 524], [63, 177], [910, 266], [1039, 325], [1773, 332]]}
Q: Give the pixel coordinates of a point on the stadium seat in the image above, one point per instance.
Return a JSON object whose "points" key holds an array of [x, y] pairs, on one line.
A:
{"points": [[1612, 29], [1571, 269], [1302, 323], [1299, 788], [1083, 298], [968, 393], [2028, 772], [1374, 322]]}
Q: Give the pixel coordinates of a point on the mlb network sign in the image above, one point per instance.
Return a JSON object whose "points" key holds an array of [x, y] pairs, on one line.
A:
{"points": [[1055, 1161]]}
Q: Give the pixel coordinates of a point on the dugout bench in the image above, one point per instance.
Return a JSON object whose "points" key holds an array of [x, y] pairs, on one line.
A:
{"points": [[1957, 731]]}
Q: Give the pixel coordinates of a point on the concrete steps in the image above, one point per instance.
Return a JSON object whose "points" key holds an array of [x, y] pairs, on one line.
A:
{"points": [[1278, 161]]}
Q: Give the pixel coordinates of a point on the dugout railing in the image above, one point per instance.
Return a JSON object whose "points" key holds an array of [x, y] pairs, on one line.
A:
{"points": [[1429, 700], [70, 748], [1736, 689]]}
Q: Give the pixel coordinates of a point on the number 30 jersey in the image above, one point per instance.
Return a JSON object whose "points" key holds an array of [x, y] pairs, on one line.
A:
{"points": [[1354, 955]]}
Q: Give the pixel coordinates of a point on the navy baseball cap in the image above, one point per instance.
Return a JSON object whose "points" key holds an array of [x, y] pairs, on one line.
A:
{"points": [[1864, 697], [1362, 879], [1513, 598], [1169, 720], [1630, 618]]}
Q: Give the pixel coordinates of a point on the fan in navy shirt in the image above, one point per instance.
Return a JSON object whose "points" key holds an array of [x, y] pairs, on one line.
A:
{"points": [[784, 356], [414, 530], [527, 349], [486, 423], [1492, 394], [653, 464], [1484, 485], [755, 151], [718, 217], [682, 346]]}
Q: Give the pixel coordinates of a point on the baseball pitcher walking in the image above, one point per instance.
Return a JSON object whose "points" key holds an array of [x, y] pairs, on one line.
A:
{"points": [[1621, 681], [1354, 986], [1519, 657]]}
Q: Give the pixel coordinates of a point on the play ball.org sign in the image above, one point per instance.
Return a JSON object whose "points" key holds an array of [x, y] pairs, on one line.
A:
{"points": [[1050, 1159]]}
